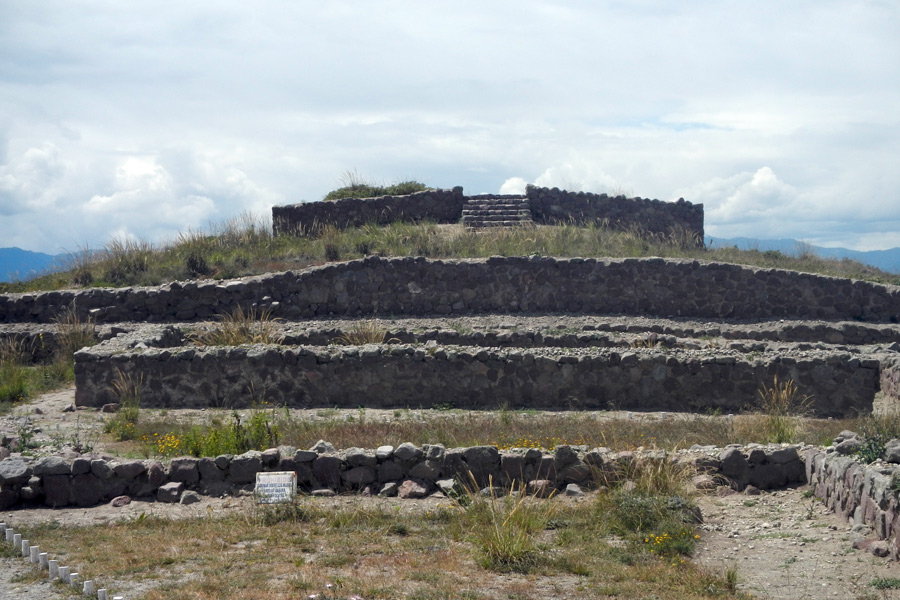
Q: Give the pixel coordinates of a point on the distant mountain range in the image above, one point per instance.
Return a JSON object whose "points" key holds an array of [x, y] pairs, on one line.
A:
{"points": [[887, 260], [20, 265]]}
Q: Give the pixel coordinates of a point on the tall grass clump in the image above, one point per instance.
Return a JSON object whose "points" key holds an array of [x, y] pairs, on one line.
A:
{"points": [[74, 332], [122, 425], [13, 375], [126, 261], [504, 526], [241, 326], [364, 332], [782, 406]]}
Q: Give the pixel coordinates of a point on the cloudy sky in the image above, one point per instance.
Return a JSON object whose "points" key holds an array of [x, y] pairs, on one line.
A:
{"points": [[147, 118]]}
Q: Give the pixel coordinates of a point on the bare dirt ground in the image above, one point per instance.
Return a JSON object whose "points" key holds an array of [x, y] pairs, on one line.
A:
{"points": [[783, 544]]}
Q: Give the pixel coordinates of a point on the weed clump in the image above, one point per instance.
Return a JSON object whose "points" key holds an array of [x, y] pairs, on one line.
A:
{"points": [[782, 404], [504, 527], [364, 332], [123, 424], [13, 377], [241, 327]]}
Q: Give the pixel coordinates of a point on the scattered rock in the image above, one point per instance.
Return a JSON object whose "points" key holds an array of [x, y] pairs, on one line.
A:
{"points": [[892, 451], [170, 492], [574, 490], [704, 482], [411, 489], [323, 447], [189, 497], [540, 488], [120, 501], [14, 472]]}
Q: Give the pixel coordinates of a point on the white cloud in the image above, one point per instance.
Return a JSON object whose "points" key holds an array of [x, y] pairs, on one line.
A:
{"points": [[171, 118], [514, 185], [29, 183]]}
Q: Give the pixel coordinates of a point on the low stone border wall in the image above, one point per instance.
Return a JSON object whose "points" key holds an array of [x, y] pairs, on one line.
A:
{"points": [[869, 495], [649, 287], [401, 376], [407, 470], [866, 494]]}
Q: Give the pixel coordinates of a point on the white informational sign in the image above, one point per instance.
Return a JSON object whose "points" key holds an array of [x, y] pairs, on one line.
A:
{"points": [[278, 486]]}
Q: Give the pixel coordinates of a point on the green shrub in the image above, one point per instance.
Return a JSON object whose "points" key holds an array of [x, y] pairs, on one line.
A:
{"points": [[13, 383], [122, 425], [260, 432], [367, 190], [875, 432]]}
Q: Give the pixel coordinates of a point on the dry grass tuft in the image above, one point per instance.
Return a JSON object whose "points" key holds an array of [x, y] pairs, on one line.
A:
{"points": [[241, 327]]}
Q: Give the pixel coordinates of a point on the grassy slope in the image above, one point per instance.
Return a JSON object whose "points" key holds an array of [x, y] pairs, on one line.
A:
{"points": [[245, 246]]}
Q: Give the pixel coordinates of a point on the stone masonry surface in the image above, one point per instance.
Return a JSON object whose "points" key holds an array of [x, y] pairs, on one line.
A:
{"points": [[409, 375], [547, 206], [650, 287]]}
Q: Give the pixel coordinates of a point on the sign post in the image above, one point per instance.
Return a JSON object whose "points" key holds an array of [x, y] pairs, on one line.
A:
{"points": [[276, 487]]}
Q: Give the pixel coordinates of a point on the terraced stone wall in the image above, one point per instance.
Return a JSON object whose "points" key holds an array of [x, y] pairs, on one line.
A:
{"points": [[651, 287], [402, 376], [554, 206], [441, 206]]}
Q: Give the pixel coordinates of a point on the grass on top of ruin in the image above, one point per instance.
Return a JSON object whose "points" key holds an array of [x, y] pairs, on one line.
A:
{"points": [[626, 540], [245, 245]]}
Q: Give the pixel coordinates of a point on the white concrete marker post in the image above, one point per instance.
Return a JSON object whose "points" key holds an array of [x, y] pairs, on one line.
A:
{"points": [[73, 579], [9, 534], [17, 541], [35, 552], [88, 588], [101, 594], [25, 548], [44, 560], [64, 574], [53, 565]]}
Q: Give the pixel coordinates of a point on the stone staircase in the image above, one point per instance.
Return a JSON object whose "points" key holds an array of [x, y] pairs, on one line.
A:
{"points": [[496, 211]]}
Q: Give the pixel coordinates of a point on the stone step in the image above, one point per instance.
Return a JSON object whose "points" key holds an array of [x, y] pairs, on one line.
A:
{"points": [[496, 211], [478, 212]]}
